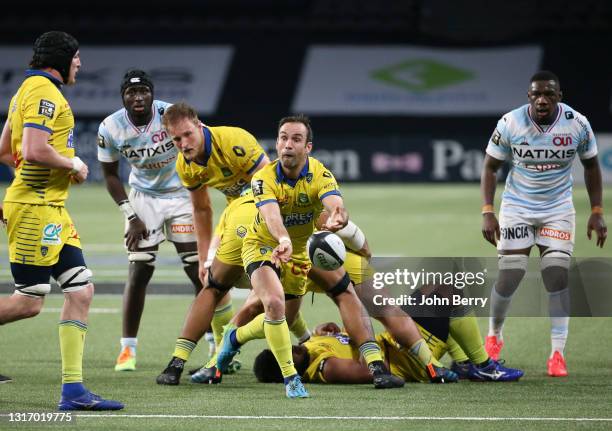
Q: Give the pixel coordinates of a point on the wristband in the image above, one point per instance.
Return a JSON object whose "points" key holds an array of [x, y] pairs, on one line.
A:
{"points": [[352, 236], [77, 165], [488, 209], [284, 239], [597, 210], [127, 210]]}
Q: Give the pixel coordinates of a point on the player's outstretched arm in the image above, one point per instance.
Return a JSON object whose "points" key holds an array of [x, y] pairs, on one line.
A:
{"points": [[274, 221], [6, 156], [202, 222], [592, 180], [350, 371], [338, 215], [488, 182]]}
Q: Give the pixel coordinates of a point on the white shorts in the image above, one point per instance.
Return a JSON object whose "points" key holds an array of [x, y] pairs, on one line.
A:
{"points": [[552, 230], [170, 219]]}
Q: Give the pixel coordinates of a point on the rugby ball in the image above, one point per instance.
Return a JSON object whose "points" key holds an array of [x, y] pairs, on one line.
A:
{"points": [[326, 250]]}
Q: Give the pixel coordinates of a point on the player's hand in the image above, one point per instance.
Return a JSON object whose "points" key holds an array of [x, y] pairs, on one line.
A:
{"points": [[79, 171], [490, 228], [282, 253], [336, 220], [329, 328], [137, 231], [596, 223]]}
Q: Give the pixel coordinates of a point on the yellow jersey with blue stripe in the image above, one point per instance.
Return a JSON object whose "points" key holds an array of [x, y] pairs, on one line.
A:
{"points": [[401, 362], [299, 200], [322, 347], [231, 156], [40, 104]]}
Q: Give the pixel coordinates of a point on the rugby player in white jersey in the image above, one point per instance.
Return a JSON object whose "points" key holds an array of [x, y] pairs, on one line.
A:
{"points": [[540, 140], [158, 206]]}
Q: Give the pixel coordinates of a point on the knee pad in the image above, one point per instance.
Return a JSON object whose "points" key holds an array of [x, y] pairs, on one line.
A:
{"points": [[214, 284], [147, 257], [75, 279], [33, 290], [189, 257], [513, 261], [555, 258], [340, 287]]}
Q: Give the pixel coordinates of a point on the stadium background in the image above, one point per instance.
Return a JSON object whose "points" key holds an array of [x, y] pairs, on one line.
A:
{"points": [[407, 126]]}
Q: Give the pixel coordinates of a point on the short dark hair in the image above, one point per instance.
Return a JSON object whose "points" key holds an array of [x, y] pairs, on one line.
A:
{"points": [[545, 75], [177, 112], [299, 118], [266, 368]]}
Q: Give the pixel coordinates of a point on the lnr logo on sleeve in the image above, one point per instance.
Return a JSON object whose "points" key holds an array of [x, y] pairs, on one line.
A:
{"points": [[51, 234]]}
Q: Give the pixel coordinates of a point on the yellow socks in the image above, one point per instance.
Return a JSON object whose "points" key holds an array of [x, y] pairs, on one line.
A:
{"points": [[279, 341], [72, 339], [222, 316], [253, 330], [183, 348]]}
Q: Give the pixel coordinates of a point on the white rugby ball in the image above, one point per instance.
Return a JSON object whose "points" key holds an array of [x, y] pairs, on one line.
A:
{"points": [[326, 250]]}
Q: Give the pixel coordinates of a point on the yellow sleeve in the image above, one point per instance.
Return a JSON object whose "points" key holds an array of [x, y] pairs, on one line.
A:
{"points": [[264, 188], [41, 107], [314, 372], [326, 183], [188, 179], [246, 152]]}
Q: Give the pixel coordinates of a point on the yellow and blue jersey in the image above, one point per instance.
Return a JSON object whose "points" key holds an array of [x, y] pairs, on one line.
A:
{"points": [[231, 156], [40, 104], [322, 347], [299, 200]]}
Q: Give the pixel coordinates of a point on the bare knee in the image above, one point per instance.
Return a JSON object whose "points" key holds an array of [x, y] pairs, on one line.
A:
{"points": [[275, 306]]}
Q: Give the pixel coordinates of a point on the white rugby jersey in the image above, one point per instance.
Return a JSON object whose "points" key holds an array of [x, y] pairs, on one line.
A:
{"points": [[540, 178], [149, 150]]}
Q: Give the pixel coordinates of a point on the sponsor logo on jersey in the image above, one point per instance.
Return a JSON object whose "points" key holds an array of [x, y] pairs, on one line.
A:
{"points": [[70, 142], [265, 250], [148, 151], [556, 234], [182, 228], [51, 234], [542, 167], [233, 190], [543, 153], [562, 140], [297, 219], [569, 115], [327, 174], [515, 232], [46, 108], [44, 250], [101, 141]]}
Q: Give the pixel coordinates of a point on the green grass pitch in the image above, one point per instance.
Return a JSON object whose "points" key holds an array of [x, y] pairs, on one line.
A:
{"points": [[399, 220]]}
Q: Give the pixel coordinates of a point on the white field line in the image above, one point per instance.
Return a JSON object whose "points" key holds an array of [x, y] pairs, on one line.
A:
{"points": [[374, 418]]}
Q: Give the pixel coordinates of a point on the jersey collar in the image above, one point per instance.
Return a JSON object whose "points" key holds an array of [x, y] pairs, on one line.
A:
{"points": [[38, 72], [280, 176], [207, 146]]}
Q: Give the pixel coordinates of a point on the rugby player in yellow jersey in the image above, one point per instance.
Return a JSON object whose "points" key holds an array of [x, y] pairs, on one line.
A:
{"points": [[43, 241], [289, 193], [330, 356], [225, 158]]}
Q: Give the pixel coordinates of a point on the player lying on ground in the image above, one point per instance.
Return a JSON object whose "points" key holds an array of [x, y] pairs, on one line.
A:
{"points": [[330, 356]]}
